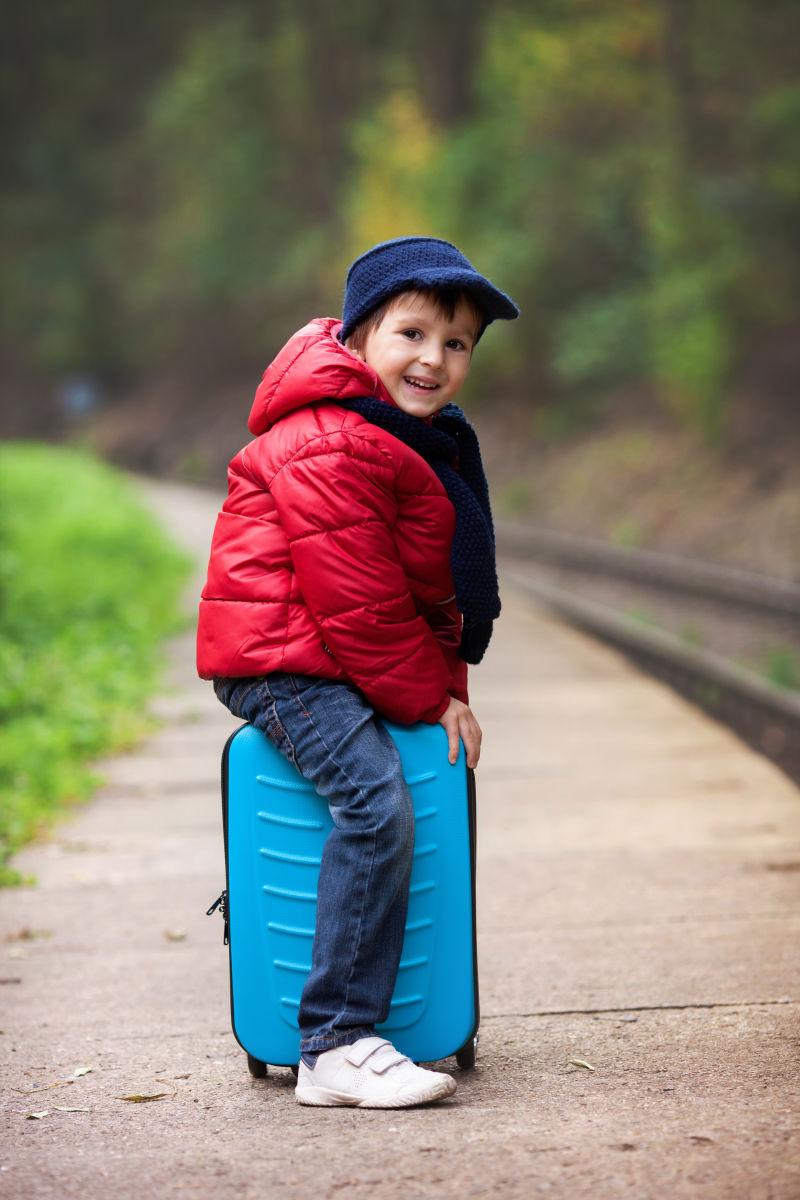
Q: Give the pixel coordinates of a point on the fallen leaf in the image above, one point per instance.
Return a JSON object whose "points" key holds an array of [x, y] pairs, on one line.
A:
{"points": [[45, 1087], [139, 1099], [76, 1074], [27, 935], [37, 1116], [174, 935], [67, 1108], [581, 1062]]}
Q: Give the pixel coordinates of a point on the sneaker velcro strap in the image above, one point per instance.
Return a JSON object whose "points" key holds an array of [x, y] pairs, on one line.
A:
{"points": [[359, 1052], [385, 1058]]}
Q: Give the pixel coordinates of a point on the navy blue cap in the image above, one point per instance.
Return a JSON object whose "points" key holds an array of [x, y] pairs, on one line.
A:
{"points": [[406, 263]]}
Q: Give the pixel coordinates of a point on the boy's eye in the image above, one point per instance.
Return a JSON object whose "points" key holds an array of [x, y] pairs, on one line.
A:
{"points": [[411, 335]]}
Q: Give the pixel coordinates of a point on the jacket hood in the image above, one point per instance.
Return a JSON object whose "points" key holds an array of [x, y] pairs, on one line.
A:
{"points": [[313, 365]]}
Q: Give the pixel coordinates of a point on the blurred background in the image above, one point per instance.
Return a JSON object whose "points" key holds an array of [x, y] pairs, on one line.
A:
{"points": [[185, 184]]}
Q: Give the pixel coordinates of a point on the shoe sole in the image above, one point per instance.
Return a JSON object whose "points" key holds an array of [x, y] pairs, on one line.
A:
{"points": [[327, 1098]]}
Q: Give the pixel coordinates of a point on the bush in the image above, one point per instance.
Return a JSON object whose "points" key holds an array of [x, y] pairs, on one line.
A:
{"points": [[90, 587]]}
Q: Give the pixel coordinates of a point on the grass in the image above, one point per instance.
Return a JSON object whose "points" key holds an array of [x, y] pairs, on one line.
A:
{"points": [[692, 635], [626, 532], [782, 667], [638, 612], [90, 587]]}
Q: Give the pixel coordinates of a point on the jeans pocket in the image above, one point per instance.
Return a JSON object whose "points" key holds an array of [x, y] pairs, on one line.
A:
{"points": [[267, 720]]}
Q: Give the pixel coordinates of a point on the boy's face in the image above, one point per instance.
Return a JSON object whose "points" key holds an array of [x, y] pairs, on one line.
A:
{"points": [[416, 342]]}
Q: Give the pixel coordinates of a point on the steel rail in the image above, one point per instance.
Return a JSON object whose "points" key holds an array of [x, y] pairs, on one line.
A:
{"points": [[767, 717], [673, 572]]}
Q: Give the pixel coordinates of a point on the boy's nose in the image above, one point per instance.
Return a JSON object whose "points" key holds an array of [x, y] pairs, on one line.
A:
{"points": [[431, 355]]}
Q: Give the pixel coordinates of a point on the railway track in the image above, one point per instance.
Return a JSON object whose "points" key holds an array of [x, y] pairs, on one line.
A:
{"points": [[766, 716]]}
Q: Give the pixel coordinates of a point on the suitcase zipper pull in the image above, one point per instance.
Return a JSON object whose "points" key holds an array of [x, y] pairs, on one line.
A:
{"points": [[221, 903]]}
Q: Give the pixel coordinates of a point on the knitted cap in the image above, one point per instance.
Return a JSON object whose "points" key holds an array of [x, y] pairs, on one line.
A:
{"points": [[409, 262]]}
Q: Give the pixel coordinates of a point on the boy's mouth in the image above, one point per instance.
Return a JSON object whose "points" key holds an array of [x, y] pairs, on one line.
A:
{"points": [[420, 385]]}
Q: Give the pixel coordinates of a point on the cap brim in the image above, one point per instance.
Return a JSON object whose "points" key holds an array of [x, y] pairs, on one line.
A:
{"points": [[496, 304]]}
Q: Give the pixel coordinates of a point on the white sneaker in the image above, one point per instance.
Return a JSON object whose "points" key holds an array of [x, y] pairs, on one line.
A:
{"points": [[369, 1074]]}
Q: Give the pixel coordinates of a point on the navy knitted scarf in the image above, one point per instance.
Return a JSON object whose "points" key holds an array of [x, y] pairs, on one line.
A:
{"points": [[450, 445]]}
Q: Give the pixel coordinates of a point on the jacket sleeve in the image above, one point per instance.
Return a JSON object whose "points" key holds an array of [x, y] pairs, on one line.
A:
{"points": [[337, 504]]}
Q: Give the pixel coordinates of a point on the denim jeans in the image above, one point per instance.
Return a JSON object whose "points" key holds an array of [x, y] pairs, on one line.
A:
{"points": [[336, 740]]}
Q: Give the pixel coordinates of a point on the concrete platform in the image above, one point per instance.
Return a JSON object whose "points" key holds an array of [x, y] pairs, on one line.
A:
{"points": [[639, 887]]}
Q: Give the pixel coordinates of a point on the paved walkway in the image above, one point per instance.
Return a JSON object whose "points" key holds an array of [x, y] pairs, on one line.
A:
{"points": [[638, 910]]}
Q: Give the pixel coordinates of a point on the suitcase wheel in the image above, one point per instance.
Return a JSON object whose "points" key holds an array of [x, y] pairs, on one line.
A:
{"points": [[294, 1068], [467, 1054], [256, 1067]]}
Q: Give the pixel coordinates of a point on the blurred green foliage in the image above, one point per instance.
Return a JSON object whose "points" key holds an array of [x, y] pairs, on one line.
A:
{"points": [[781, 667], [627, 532], [89, 587], [193, 180]]}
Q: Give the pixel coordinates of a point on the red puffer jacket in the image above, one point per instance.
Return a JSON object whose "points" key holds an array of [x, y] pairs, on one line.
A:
{"points": [[331, 554]]}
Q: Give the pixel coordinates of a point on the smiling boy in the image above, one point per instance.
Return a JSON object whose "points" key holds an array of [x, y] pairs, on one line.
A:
{"points": [[351, 577], [421, 354]]}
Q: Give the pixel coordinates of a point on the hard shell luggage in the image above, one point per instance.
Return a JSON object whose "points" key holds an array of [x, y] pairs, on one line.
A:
{"points": [[275, 825]]}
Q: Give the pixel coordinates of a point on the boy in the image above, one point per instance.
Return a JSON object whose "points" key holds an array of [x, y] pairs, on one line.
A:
{"points": [[351, 577]]}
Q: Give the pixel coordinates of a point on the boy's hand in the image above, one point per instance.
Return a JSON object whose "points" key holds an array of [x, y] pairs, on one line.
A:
{"points": [[459, 720]]}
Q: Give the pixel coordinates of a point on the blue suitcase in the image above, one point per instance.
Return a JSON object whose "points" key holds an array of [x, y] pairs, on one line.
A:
{"points": [[275, 826]]}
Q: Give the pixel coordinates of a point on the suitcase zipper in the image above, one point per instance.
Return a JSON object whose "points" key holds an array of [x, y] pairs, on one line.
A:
{"points": [[221, 903]]}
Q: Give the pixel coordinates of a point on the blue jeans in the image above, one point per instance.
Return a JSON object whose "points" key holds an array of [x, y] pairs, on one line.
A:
{"points": [[336, 740]]}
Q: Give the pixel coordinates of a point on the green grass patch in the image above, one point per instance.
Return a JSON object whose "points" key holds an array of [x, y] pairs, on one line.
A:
{"points": [[692, 635], [626, 532], [781, 667], [638, 612], [90, 587]]}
